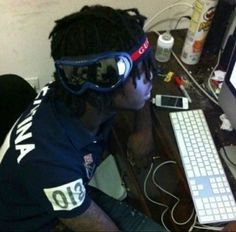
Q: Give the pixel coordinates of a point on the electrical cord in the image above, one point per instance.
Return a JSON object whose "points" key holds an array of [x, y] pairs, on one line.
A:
{"points": [[153, 201], [182, 17], [206, 227], [147, 25], [165, 191], [170, 194], [192, 78], [194, 81], [194, 224], [203, 227], [212, 72]]}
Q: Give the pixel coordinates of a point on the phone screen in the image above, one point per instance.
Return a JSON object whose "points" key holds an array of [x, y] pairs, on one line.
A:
{"points": [[171, 101]]}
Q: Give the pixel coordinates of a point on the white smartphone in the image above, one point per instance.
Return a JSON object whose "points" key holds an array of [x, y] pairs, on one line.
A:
{"points": [[170, 101]]}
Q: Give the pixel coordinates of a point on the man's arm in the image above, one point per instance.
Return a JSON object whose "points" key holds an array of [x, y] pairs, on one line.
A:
{"points": [[231, 227], [140, 143], [93, 219]]}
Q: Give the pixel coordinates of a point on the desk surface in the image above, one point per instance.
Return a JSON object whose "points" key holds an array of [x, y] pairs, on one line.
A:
{"points": [[166, 147]]}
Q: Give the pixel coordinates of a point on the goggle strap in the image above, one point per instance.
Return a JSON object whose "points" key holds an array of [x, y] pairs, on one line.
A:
{"points": [[139, 52]]}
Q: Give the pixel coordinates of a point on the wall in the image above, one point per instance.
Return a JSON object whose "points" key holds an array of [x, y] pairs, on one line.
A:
{"points": [[26, 24]]}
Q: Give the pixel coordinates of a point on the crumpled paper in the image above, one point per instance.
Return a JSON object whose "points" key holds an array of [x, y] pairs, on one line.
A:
{"points": [[218, 75], [226, 125]]}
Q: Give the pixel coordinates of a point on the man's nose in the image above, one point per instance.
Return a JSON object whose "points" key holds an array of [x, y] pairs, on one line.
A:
{"points": [[151, 76]]}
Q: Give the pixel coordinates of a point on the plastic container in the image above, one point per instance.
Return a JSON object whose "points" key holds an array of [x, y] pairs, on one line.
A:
{"points": [[165, 43], [203, 13]]}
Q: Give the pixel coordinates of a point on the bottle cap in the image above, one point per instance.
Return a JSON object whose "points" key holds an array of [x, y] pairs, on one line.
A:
{"points": [[165, 40]]}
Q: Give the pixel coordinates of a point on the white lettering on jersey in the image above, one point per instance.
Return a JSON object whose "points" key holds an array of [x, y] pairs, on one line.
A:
{"points": [[22, 135], [67, 196], [24, 150], [21, 132], [23, 129], [29, 119]]}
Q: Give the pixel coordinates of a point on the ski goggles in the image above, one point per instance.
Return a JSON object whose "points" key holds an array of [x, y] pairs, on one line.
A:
{"points": [[101, 72]]}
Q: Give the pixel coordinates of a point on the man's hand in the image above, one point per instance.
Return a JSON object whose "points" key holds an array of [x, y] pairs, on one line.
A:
{"points": [[231, 227]]}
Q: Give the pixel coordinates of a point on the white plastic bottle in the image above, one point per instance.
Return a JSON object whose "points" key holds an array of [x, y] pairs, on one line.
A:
{"points": [[203, 13], [165, 43]]}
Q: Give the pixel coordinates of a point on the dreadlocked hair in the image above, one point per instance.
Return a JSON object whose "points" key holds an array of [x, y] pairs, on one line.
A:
{"points": [[96, 29]]}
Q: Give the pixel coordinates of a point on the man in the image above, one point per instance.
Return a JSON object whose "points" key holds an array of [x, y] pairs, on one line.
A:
{"points": [[104, 64]]}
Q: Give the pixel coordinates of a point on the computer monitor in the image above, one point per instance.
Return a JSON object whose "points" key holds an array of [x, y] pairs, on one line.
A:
{"points": [[227, 96]]}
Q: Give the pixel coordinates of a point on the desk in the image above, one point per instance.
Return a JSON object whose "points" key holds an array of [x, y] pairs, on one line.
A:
{"points": [[171, 177]]}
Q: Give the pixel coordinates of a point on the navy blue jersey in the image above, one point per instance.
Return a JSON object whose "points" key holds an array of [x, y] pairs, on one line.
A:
{"points": [[46, 161]]}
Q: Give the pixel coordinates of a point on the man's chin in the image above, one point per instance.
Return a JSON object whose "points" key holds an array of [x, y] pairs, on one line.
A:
{"points": [[147, 97], [140, 106]]}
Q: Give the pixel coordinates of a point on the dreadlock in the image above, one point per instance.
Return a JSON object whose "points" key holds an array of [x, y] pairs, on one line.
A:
{"points": [[96, 29]]}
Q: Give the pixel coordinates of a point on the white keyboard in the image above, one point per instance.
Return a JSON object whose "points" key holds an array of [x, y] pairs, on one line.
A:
{"points": [[209, 187]]}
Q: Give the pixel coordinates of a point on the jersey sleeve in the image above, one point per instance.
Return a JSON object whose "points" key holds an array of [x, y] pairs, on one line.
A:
{"points": [[59, 191]]}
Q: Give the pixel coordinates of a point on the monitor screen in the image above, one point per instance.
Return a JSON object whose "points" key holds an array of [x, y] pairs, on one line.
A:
{"points": [[230, 77], [227, 97]]}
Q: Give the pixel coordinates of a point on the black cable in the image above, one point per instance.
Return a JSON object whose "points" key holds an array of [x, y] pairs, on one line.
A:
{"points": [[182, 17], [219, 142], [227, 157]]}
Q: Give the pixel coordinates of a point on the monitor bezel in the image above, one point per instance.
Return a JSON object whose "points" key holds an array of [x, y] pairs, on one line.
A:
{"points": [[229, 71]]}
